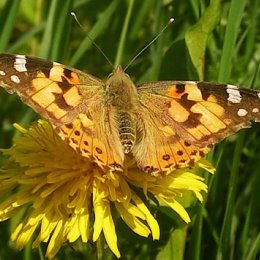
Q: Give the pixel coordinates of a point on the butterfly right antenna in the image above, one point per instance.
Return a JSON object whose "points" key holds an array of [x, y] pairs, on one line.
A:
{"points": [[149, 44]]}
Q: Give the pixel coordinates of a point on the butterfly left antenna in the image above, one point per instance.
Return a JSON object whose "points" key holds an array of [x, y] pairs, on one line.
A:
{"points": [[92, 40]]}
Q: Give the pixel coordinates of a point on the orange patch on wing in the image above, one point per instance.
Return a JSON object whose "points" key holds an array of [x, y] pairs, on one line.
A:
{"points": [[173, 92], [196, 132], [56, 111], [74, 78], [212, 98], [193, 92], [40, 83], [57, 74], [205, 130], [178, 112], [171, 156], [45, 92], [208, 118], [72, 97], [215, 108]]}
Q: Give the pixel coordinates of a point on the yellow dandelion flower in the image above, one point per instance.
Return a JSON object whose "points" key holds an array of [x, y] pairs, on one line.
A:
{"points": [[63, 191]]}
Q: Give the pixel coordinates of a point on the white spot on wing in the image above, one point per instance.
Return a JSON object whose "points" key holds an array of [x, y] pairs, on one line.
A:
{"points": [[232, 86], [258, 94], [242, 112], [191, 82], [255, 110], [20, 62], [2, 73], [15, 79], [234, 95], [19, 56]]}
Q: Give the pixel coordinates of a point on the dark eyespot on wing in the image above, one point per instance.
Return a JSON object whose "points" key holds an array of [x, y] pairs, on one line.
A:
{"points": [[180, 88]]}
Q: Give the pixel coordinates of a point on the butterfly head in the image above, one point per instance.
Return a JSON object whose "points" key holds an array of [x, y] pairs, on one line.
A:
{"points": [[120, 86], [118, 72]]}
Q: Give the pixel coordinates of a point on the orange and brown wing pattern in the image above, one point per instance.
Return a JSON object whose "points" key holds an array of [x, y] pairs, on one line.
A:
{"points": [[70, 99], [97, 139], [161, 150], [51, 89], [190, 117]]}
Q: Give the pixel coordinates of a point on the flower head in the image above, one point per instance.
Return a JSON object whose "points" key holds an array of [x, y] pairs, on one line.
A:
{"points": [[69, 198]]}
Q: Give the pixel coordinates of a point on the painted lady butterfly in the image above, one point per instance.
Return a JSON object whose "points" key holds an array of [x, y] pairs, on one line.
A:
{"points": [[164, 125]]}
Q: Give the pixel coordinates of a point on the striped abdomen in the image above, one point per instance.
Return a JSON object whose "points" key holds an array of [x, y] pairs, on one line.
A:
{"points": [[127, 130]]}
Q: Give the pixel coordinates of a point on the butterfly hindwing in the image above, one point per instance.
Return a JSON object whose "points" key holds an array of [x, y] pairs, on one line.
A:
{"points": [[91, 140], [161, 149]]}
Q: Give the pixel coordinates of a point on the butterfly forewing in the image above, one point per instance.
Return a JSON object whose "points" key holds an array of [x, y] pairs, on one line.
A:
{"points": [[201, 113], [161, 149], [71, 100]]}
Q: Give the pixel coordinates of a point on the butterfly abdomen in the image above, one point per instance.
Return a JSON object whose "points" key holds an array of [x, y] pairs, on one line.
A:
{"points": [[121, 97], [127, 130]]}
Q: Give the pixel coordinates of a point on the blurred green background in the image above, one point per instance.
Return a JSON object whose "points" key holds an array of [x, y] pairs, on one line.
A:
{"points": [[213, 40]]}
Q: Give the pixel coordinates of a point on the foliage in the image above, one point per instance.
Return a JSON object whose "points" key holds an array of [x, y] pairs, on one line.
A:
{"points": [[227, 226]]}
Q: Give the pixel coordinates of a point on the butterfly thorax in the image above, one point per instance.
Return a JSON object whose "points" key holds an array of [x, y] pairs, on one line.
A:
{"points": [[122, 98]]}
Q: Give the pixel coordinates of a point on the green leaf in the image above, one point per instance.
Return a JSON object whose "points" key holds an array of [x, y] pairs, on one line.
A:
{"points": [[7, 21], [196, 38], [174, 249], [231, 35]]}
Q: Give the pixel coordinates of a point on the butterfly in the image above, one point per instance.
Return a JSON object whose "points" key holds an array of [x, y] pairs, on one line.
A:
{"points": [[163, 125]]}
